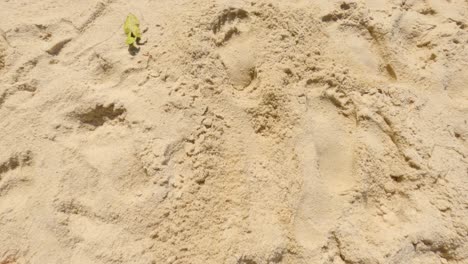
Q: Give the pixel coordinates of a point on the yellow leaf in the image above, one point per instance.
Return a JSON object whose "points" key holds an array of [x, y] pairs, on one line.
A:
{"points": [[132, 29]]}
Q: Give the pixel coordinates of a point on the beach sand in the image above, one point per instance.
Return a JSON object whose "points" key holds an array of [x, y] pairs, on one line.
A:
{"points": [[244, 132]]}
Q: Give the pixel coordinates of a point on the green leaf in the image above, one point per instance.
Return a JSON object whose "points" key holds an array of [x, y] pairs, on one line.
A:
{"points": [[132, 29]]}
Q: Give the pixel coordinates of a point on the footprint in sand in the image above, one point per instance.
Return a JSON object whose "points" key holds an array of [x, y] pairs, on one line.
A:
{"points": [[12, 173], [327, 147], [232, 34]]}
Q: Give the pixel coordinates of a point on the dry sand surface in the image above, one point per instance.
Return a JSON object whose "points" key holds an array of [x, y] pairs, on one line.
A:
{"points": [[243, 132]]}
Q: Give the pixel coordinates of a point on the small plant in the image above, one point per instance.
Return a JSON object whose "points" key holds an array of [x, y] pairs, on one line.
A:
{"points": [[132, 30]]}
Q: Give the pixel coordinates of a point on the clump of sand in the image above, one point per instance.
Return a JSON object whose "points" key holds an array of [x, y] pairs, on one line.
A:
{"points": [[244, 132]]}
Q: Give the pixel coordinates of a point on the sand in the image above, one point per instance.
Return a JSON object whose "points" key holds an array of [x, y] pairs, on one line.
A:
{"points": [[244, 132]]}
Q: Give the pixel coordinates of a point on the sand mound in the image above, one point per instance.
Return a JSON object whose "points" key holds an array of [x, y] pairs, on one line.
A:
{"points": [[244, 132]]}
